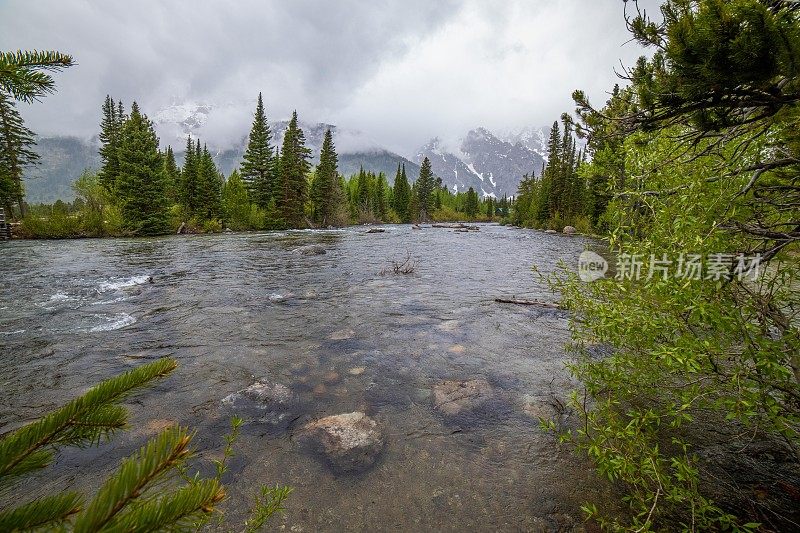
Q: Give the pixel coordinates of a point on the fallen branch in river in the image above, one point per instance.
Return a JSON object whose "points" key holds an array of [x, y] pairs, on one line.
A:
{"points": [[527, 302]]}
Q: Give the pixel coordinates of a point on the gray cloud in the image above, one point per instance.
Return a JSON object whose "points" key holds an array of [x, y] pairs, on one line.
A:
{"points": [[401, 71]]}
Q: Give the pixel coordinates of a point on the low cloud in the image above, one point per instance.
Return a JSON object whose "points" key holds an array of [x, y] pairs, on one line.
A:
{"points": [[401, 71]]}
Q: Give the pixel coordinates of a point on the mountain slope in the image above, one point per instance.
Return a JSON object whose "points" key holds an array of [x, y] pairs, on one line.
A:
{"points": [[483, 161], [62, 160]]}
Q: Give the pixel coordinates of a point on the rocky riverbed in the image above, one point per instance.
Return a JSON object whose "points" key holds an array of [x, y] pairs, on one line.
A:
{"points": [[388, 401]]}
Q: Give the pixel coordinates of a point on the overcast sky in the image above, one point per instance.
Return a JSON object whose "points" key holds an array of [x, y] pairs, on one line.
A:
{"points": [[401, 71]]}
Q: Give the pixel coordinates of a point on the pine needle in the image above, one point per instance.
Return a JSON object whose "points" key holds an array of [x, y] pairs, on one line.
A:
{"points": [[184, 509], [44, 512], [83, 421], [131, 480]]}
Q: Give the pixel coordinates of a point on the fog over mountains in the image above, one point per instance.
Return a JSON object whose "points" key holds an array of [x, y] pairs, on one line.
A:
{"points": [[491, 163]]}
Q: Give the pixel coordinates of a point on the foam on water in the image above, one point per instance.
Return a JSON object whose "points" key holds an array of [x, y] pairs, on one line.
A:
{"points": [[112, 322], [278, 297], [53, 302], [117, 284], [111, 301]]}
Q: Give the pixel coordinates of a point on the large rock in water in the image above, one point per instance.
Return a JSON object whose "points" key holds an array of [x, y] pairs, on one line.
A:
{"points": [[271, 403], [569, 230], [455, 398], [349, 442], [311, 249]]}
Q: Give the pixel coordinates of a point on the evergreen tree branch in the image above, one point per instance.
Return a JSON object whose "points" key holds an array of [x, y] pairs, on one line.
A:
{"points": [[132, 479], [84, 420], [44, 512], [184, 509], [23, 74]]}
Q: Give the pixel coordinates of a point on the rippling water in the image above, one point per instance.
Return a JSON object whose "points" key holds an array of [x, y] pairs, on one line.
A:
{"points": [[239, 307]]}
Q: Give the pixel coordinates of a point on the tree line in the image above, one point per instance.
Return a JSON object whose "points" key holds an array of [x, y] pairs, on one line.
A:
{"points": [[141, 189], [561, 196]]}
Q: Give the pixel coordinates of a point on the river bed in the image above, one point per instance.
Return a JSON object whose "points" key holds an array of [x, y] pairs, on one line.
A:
{"points": [[338, 330]]}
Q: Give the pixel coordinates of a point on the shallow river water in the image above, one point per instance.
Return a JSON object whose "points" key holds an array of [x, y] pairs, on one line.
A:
{"points": [[236, 308]]}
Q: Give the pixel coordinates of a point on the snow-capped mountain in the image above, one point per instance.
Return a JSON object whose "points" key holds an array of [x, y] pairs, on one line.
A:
{"points": [[530, 137], [180, 119], [490, 165]]}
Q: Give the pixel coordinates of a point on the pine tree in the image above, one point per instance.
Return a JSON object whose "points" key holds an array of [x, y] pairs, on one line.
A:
{"points": [[189, 190], [325, 187], [545, 204], [172, 176], [210, 181], [379, 198], [16, 152], [362, 192], [294, 168], [490, 206], [471, 204], [401, 193], [110, 131], [425, 185], [258, 167], [140, 184]]}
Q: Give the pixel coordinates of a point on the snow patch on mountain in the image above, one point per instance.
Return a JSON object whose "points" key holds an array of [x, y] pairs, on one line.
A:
{"points": [[492, 165]]}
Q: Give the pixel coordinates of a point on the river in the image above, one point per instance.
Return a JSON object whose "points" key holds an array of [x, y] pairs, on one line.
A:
{"points": [[342, 334]]}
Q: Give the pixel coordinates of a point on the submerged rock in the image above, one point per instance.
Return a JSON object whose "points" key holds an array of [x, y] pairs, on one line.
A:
{"points": [[272, 403], [342, 335], [569, 230], [331, 378], [311, 249], [349, 442], [376, 230], [453, 398], [550, 231], [537, 408]]}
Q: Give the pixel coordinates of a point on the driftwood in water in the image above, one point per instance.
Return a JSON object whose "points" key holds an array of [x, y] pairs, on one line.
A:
{"points": [[404, 267], [527, 302]]}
